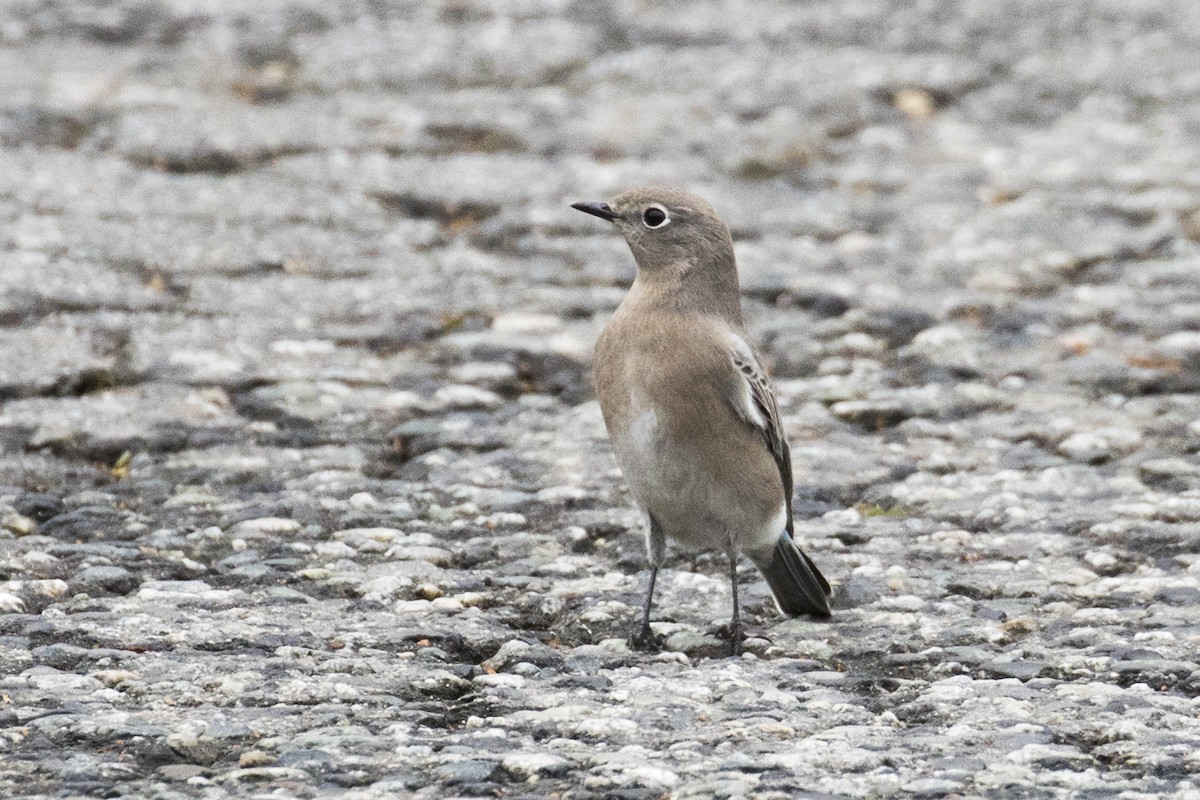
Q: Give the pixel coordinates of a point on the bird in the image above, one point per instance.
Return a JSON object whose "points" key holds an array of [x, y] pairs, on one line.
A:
{"points": [[689, 408]]}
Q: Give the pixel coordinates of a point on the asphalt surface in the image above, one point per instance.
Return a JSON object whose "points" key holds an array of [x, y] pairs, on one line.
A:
{"points": [[303, 491]]}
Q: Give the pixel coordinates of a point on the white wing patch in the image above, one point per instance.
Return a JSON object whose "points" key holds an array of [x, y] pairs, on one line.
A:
{"points": [[754, 402], [748, 410]]}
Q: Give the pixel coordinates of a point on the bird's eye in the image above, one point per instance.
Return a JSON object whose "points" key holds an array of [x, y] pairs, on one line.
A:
{"points": [[655, 217]]}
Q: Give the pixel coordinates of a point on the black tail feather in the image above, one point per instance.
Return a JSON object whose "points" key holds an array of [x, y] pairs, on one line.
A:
{"points": [[798, 586]]}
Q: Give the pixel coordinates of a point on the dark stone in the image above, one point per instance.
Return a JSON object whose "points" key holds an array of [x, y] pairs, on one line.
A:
{"points": [[1178, 595], [822, 305], [87, 523], [39, 507], [1021, 670], [468, 771], [812, 500], [855, 592], [103, 579], [897, 326], [874, 415], [1152, 671], [63, 657], [974, 588], [553, 374], [826, 305], [130, 23]]}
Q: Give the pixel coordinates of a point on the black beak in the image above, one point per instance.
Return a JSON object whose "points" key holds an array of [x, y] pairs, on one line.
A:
{"points": [[600, 210]]}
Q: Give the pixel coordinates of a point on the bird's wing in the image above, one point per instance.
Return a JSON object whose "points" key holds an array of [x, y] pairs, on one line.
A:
{"points": [[755, 404]]}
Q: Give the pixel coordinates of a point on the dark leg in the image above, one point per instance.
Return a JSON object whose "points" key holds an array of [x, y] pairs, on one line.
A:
{"points": [[656, 550], [735, 622], [643, 638]]}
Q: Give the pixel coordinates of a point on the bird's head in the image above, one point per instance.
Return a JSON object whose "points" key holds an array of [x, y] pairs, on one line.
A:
{"points": [[667, 229]]}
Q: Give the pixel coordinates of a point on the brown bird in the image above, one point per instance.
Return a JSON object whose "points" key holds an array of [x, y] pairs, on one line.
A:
{"points": [[689, 407]]}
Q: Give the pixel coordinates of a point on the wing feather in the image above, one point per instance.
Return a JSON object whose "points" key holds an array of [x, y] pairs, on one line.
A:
{"points": [[755, 403]]}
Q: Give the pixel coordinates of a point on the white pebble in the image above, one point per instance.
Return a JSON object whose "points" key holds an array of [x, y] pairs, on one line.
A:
{"points": [[335, 550], [459, 396], [363, 501], [269, 525], [504, 680]]}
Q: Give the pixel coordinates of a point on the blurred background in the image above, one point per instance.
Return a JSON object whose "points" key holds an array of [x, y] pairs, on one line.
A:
{"points": [[188, 182]]}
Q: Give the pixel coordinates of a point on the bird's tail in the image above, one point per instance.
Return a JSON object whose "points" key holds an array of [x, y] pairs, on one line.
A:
{"points": [[798, 586]]}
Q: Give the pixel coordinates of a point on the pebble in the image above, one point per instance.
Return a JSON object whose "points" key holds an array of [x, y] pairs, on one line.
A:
{"points": [[462, 397], [500, 681], [115, 580], [1185, 343], [470, 772], [268, 525], [11, 602], [1101, 445], [17, 523], [181, 772], [263, 774], [527, 765], [434, 555], [255, 758]]}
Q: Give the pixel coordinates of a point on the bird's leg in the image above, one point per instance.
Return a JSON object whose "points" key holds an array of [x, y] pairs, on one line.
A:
{"points": [[733, 629], [656, 549], [643, 638], [735, 622]]}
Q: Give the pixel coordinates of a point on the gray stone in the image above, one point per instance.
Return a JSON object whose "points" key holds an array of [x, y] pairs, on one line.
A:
{"points": [[181, 772], [110, 580], [473, 771], [1021, 670], [59, 656]]}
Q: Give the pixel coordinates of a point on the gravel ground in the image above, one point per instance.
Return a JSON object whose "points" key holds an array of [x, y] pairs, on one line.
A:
{"points": [[303, 491]]}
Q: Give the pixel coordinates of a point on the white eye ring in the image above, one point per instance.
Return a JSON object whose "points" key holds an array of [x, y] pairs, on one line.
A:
{"points": [[653, 220]]}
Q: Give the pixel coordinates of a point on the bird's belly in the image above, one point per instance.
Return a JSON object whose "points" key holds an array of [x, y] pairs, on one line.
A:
{"points": [[695, 507]]}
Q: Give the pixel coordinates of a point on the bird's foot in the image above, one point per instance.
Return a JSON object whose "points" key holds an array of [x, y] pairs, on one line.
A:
{"points": [[733, 632], [646, 640]]}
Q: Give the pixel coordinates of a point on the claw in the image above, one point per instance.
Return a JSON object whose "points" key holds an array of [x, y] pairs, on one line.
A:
{"points": [[734, 634], [645, 640]]}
